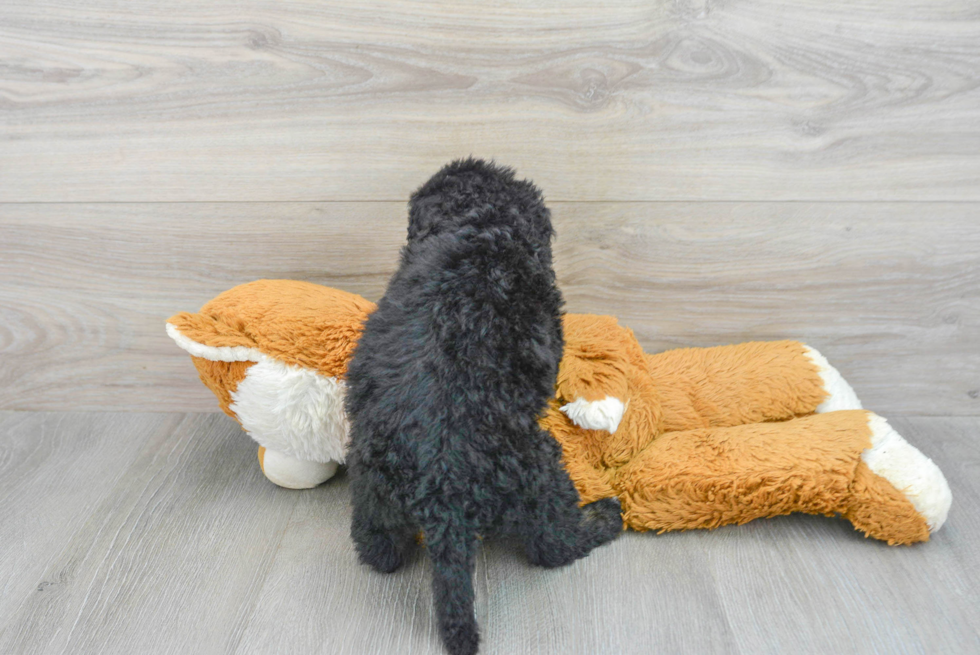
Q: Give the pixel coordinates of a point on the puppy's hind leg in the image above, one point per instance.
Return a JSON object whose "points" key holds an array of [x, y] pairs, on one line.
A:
{"points": [[554, 529], [452, 548], [556, 537], [380, 532]]}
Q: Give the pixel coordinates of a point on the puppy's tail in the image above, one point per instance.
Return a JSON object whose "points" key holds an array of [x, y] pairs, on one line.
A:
{"points": [[452, 547]]}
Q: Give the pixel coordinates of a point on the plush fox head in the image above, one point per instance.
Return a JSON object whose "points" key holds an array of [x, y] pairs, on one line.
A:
{"points": [[275, 352]]}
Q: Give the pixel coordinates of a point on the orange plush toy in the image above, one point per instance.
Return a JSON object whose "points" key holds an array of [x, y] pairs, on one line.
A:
{"points": [[689, 438]]}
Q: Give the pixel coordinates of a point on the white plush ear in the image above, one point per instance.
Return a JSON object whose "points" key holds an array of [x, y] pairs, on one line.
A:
{"points": [[909, 471], [841, 395], [602, 414], [213, 353]]}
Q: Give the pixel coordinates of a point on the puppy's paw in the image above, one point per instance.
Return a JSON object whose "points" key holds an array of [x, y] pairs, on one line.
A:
{"points": [[387, 561], [379, 552], [602, 414], [603, 509], [605, 517]]}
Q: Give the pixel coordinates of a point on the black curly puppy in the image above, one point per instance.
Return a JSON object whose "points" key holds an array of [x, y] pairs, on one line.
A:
{"points": [[445, 389]]}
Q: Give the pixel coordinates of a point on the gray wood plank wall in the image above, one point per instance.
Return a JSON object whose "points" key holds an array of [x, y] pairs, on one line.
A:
{"points": [[719, 172], [618, 100], [890, 292]]}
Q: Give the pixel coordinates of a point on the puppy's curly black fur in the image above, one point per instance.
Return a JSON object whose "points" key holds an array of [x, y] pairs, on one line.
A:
{"points": [[445, 389]]}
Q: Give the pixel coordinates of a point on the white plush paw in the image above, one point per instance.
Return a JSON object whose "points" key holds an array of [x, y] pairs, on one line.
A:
{"points": [[909, 471], [841, 395], [602, 414], [293, 473]]}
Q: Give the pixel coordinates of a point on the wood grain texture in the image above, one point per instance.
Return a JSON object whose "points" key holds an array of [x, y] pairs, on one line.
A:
{"points": [[179, 547], [619, 100], [820, 589], [190, 549], [55, 471], [889, 292]]}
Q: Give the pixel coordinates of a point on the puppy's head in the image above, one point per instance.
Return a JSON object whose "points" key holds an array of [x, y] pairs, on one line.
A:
{"points": [[479, 194]]}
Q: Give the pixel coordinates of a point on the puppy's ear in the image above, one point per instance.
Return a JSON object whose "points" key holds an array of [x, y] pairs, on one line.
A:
{"points": [[539, 219], [424, 213]]}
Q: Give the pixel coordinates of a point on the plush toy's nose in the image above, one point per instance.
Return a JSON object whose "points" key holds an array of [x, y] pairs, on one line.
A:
{"points": [[293, 473]]}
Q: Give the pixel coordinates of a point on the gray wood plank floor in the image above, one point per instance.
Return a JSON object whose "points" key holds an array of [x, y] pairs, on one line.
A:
{"points": [[156, 533]]}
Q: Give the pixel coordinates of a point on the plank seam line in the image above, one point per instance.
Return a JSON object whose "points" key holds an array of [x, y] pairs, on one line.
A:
{"points": [[548, 200]]}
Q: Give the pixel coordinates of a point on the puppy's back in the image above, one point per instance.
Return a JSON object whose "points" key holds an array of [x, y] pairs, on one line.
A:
{"points": [[463, 349]]}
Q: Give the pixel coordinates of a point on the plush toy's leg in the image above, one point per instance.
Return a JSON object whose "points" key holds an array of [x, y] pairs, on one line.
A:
{"points": [[745, 383], [846, 462], [891, 476], [293, 473], [840, 395]]}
